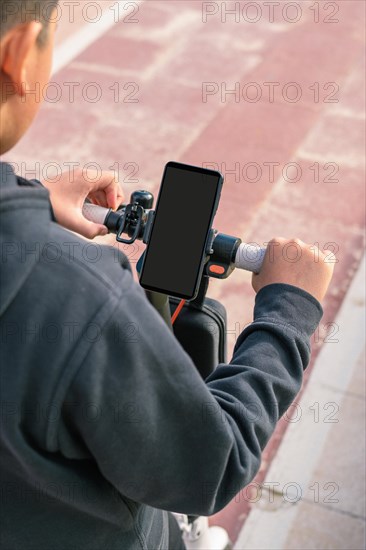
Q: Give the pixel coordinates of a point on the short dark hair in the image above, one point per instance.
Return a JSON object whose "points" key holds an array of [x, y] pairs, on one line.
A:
{"points": [[15, 12]]}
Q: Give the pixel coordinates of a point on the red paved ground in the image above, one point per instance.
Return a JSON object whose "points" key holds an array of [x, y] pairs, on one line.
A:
{"points": [[163, 61]]}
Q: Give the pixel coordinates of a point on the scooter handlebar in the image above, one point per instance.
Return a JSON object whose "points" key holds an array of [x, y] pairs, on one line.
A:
{"points": [[249, 256]]}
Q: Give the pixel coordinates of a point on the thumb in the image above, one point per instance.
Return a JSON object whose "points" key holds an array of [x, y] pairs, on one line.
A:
{"points": [[87, 228], [91, 230]]}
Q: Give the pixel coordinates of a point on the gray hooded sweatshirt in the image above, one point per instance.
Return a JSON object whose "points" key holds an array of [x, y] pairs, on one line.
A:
{"points": [[105, 421]]}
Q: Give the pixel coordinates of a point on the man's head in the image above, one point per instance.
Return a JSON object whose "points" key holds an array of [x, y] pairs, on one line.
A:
{"points": [[27, 30]]}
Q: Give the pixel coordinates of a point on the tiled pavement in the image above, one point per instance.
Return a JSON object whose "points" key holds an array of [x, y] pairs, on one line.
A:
{"points": [[272, 94]]}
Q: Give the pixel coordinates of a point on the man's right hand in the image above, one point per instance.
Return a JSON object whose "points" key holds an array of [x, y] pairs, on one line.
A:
{"points": [[296, 263]]}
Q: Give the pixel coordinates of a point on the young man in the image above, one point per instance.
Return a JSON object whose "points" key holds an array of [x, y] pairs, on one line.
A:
{"points": [[101, 432]]}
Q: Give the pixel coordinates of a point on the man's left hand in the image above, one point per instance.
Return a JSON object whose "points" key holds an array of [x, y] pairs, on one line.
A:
{"points": [[68, 195]]}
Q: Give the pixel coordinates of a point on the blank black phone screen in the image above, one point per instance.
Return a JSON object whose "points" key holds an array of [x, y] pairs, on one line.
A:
{"points": [[186, 206]]}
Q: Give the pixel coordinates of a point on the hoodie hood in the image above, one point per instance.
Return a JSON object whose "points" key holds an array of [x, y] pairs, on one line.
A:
{"points": [[25, 217]]}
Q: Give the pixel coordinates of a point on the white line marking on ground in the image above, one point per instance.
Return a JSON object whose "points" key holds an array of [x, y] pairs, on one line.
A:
{"points": [[89, 33]]}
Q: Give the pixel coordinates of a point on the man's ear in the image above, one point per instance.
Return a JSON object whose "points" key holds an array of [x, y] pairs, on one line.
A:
{"points": [[16, 46]]}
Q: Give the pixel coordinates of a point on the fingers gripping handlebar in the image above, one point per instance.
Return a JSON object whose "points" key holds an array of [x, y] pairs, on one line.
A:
{"points": [[225, 253]]}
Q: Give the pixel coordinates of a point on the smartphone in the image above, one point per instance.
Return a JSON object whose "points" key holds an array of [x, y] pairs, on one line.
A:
{"points": [[185, 209]]}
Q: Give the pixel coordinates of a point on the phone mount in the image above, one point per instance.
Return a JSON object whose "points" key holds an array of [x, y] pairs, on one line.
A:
{"points": [[136, 218]]}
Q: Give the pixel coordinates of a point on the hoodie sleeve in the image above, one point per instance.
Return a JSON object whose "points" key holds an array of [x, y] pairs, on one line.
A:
{"points": [[160, 434]]}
